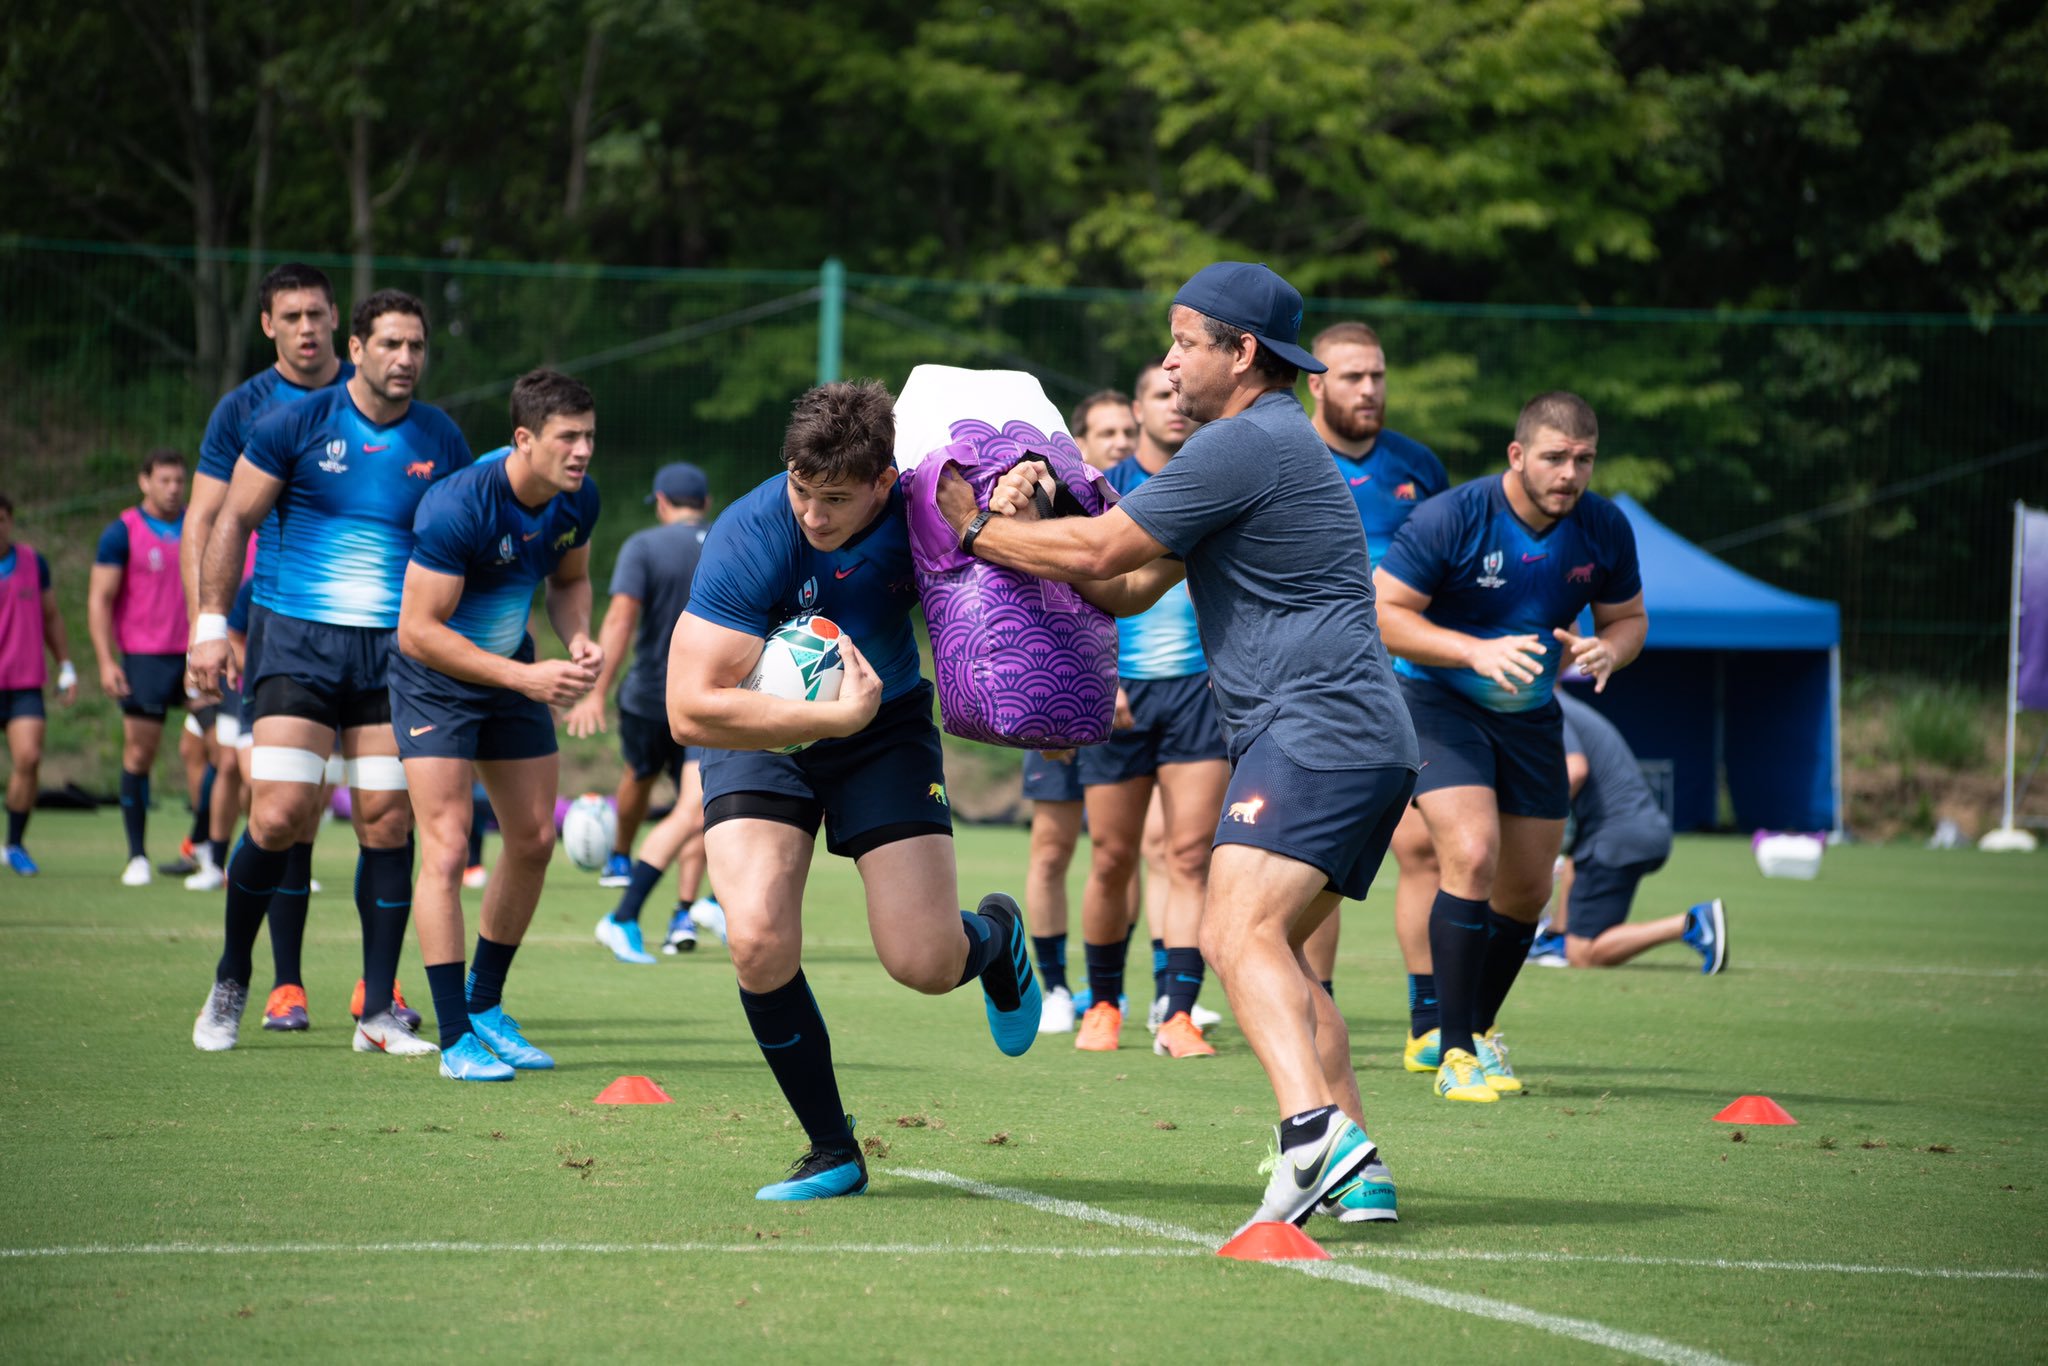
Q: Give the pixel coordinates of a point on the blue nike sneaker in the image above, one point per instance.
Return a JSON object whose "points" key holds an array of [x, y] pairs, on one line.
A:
{"points": [[1014, 1002], [468, 1059], [501, 1032], [1706, 929], [822, 1173], [1546, 950], [618, 872], [623, 940], [20, 862]]}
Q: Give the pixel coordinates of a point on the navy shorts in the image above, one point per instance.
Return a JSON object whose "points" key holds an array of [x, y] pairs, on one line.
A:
{"points": [[888, 780], [1338, 821], [1175, 723], [438, 717], [252, 645], [1051, 780], [649, 747], [16, 703], [156, 683], [338, 676], [1519, 755], [1602, 895]]}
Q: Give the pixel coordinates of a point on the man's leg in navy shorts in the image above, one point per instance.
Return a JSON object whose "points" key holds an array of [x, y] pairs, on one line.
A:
{"points": [[1521, 886], [1192, 797], [1464, 826], [1116, 827], [381, 812], [286, 765], [1612, 941], [1414, 895], [1257, 901], [140, 738]]}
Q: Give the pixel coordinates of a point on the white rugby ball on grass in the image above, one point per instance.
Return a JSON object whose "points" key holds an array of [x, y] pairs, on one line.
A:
{"points": [[799, 661]]}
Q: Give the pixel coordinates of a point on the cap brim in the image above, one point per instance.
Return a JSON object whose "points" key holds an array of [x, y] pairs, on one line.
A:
{"points": [[1293, 355]]}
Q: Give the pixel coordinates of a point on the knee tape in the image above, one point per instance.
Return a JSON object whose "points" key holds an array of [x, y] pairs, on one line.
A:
{"points": [[337, 768], [377, 773], [227, 730], [277, 764]]}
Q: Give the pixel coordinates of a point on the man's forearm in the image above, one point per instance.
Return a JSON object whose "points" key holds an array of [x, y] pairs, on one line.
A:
{"points": [[202, 511], [445, 650], [1066, 549], [1417, 639], [569, 608], [614, 637], [1624, 638], [220, 572]]}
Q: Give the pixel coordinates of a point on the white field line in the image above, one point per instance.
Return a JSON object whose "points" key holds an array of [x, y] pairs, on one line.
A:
{"points": [[1939, 1273], [1584, 1330]]}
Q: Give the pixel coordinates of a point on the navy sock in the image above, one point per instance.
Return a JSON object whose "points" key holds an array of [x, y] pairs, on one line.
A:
{"points": [[202, 814], [288, 915], [1183, 979], [134, 809], [253, 878], [1457, 949], [487, 973], [1051, 952], [17, 824], [1422, 1011], [793, 1039], [217, 850], [384, 905], [1307, 1127], [451, 1007], [645, 876], [1158, 968], [1106, 970], [1507, 948], [985, 945], [1329, 988]]}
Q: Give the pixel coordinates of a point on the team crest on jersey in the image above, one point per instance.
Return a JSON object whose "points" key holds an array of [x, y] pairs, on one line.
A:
{"points": [[807, 596], [156, 560], [566, 539], [505, 551], [1579, 573], [417, 469], [1491, 565], [1405, 492], [334, 464]]}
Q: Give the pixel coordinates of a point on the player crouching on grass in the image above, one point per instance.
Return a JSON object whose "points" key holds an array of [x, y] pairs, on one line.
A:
{"points": [[468, 699], [829, 536]]}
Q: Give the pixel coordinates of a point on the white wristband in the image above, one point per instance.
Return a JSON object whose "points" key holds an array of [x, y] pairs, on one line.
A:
{"points": [[212, 626], [67, 676]]}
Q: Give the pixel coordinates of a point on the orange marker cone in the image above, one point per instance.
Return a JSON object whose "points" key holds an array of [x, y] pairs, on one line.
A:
{"points": [[1273, 1242], [1754, 1110], [632, 1091]]}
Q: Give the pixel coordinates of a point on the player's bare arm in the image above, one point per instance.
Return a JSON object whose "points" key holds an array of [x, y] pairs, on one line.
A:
{"points": [[102, 586], [1506, 660], [424, 634], [202, 510], [707, 705], [615, 638], [251, 495], [1618, 633], [569, 610], [58, 641]]}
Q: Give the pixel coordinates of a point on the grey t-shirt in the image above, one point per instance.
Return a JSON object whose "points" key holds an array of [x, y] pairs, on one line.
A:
{"points": [[1618, 818], [655, 566], [1276, 566]]}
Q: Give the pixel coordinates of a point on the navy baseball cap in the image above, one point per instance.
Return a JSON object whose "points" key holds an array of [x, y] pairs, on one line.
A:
{"points": [[681, 483], [1253, 298]]}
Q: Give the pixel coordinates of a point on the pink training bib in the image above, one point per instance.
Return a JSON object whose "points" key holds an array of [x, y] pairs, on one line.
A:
{"points": [[149, 611], [22, 663]]}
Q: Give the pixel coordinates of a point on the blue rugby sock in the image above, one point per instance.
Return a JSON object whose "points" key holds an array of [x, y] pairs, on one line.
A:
{"points": [[253, 877], [1158, 967], [451, 1005], [288, 916], [1106, 970], [1051, 952], [791, 1033], [1457, 949], [384, 905], [1422, 1010], [487, 973], [202, 814], [1507, 948], [1183, 979], [134, 809], [645, 877]]}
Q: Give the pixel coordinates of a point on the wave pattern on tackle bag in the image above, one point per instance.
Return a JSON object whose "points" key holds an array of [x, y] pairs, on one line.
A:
{"points": [[1021, 661]]}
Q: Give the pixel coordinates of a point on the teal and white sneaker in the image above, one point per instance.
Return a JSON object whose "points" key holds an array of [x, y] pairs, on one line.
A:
{"points": [[501, 1032], [1493, 1061], [1302, 1177], [220, 1019], [1014, 1003], [822, 1173], [1706, 929], [1365, 1197], [469, 1059], [20, 862], [623, 940]]}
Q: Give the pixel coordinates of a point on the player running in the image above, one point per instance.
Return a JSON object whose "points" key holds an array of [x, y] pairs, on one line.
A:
{"points": [[1252, 514], [345, 469], [1476, 582], [468, 699], [29, 623], [829, 536]]}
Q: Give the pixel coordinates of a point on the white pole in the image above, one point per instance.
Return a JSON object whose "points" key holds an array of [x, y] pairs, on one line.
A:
{"points": [[1835, 707], [2012, 655]]}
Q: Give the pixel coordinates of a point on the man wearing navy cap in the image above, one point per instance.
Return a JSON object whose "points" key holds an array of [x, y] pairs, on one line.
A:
{"points": [[1254, 516], [650, 586]]}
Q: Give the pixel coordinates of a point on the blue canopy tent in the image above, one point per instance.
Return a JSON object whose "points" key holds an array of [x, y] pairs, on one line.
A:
{"points": [[1738, 682]]}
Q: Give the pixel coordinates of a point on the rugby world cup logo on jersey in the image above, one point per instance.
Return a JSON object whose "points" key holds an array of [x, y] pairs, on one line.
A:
{"points": [[1490, 570], [808, 594], [505, 551], [334, 464]]}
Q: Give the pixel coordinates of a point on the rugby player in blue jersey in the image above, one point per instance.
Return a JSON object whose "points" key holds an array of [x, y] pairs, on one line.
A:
{"points": [[299, 317], [345, 469], [829, 536], [1252, 514], [469, 699], [1389, 476], [1477, 601]]}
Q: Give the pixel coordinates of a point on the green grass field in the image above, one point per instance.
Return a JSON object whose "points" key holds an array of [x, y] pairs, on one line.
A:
{"points": [[293, 1200]]}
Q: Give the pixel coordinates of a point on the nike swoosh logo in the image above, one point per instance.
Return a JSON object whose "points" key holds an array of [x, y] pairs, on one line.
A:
{"points": [[842, 573], [790, 1042], [382, 904], [1361, 479], [372, 450], [529, 535], [1183, 977], [1305, 1177], [1531, 559], [417, 731]]}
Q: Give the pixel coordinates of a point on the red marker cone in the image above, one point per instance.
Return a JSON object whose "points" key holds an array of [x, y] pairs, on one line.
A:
{"points": [[1754, 1110], [632, 1091], [1273, 1242]]}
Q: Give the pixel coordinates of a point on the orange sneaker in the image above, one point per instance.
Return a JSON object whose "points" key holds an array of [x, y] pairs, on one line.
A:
{"points": [[409, 1017], [1181, 1037], [286, 1009], [1099, 1028]]}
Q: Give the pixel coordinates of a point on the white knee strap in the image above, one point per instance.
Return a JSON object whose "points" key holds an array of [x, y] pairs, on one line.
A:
{"points": [[227, 730], [192, 725], [377, 773], [245, 740], [277, 764], [337, 768]]}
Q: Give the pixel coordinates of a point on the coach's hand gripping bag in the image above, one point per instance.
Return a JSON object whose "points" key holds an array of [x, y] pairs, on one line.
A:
{"points": [[1021, 661]]}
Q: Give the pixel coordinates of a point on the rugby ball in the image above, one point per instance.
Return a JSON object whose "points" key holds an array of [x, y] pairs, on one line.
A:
{"points": [[588, 829], [799, 661]]}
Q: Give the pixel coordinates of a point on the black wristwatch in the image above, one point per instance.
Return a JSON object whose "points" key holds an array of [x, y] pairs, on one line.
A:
{"points": [[974, 529]]}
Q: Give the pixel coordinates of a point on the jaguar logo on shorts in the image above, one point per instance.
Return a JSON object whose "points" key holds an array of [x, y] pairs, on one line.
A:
{"points": [[808, 594], [333, 464], [937, 792], [1490, 575], [1246, 812]]}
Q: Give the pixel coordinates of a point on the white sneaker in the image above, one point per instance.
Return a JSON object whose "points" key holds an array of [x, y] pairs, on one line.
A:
{"points": [[1056, 1014], [312, 884], [209, 878], [709, 915], [220, 1019], [1205, 1019], [386, 1033], [137, 873]]}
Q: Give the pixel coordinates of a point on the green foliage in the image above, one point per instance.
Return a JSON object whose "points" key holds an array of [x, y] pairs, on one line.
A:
{"points": [[1938, 725]]}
